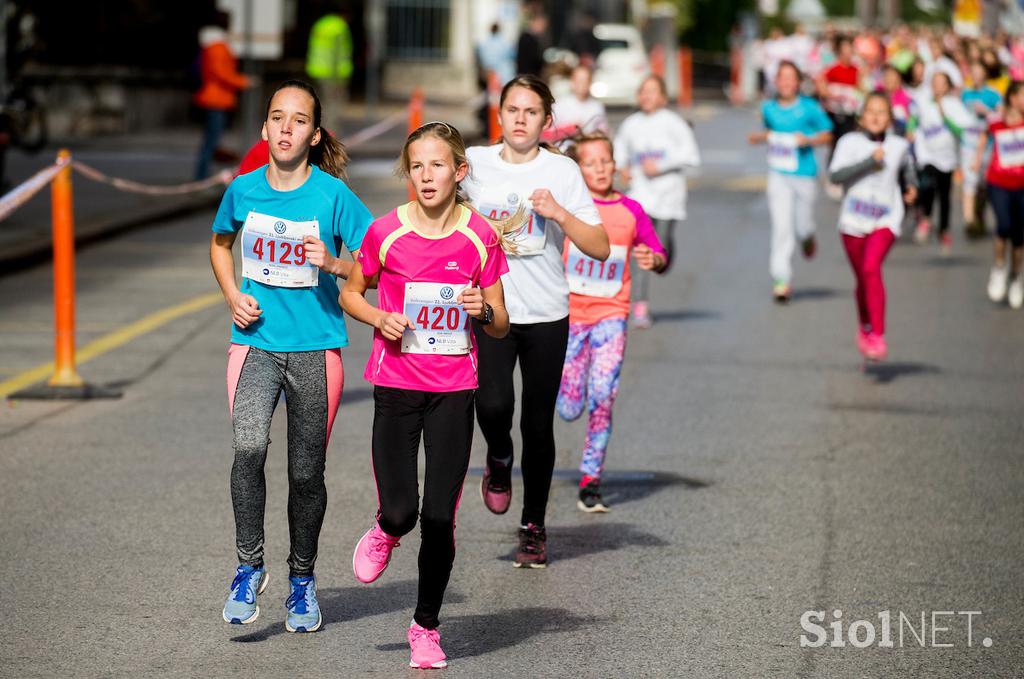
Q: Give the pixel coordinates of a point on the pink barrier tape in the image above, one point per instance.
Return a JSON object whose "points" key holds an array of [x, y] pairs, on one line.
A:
{"points": [[222, 178], [21, 193]]}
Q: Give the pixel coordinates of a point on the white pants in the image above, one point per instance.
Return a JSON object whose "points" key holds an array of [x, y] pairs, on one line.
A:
{"points": [[790, 203]]}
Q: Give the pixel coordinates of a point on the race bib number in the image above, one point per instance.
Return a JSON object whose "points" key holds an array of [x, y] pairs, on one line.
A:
{"points": [[782, 152], [1010, 144], [862, 213], [273, 254], [531, 237], [441, 324], [843, 98], [588, 276]]}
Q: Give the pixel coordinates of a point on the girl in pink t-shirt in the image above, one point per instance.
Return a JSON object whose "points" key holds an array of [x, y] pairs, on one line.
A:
{"points": [[599, 309], [436, 263]]}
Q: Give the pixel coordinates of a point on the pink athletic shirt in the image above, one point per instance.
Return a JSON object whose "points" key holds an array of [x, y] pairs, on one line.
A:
{"points": [[627, 225], [421, 277]]}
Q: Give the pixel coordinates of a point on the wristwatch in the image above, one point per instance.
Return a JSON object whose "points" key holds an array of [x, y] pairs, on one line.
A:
{"points": [[488, 317]]}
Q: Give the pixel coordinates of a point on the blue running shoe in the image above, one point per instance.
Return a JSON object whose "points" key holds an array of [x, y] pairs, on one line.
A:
{"points": [[303, 609], [241, 608]]}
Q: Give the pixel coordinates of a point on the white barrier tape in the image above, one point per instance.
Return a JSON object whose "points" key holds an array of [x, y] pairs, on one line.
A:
{"points": [[366, 134], [222, 178], [21, 193]]}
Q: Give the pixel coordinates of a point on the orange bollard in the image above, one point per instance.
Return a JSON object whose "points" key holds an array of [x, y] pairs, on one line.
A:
{"points": [[685, 76], [493, 103], [64, 374], [415, 122], [657, 59]]}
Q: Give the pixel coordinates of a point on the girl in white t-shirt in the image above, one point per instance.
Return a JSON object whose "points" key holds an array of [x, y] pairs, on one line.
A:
{"points": [[577, 111], [654, 147], [869, 164], [519, 173], [935, 130]]}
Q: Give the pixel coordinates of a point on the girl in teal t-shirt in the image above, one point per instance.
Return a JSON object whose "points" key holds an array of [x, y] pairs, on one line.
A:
{"points": [[294, 219]]}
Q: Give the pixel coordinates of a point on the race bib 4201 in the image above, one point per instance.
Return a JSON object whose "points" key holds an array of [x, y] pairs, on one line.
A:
{"points": [[531, 238], [273, 254], [441, 325]]}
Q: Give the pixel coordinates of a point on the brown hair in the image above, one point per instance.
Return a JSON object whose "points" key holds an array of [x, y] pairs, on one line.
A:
{"points": [[875, 95], [329, 153], [538, 87], [503, 228], [658, 79]]}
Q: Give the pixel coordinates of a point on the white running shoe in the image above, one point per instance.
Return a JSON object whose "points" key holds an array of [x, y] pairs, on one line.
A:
{"points": [[1016, 294], [997, 284]]}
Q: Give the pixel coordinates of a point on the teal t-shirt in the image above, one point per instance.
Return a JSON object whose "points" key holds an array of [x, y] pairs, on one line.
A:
{"points": [[298, 318], [805, 116]]}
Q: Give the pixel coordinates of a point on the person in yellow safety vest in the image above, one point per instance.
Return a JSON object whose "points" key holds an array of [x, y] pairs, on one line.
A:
{"points": [[329, 62]]}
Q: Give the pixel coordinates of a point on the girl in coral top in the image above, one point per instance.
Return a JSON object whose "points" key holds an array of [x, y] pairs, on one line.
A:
{"points": [[599, 309]]}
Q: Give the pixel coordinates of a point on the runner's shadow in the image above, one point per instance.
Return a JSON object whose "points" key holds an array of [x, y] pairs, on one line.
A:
{"points": [[468, 636], [940, 262], [621, 487], [345, 604], [799, 294], [884, 373], [573, 542], [684, 315]]}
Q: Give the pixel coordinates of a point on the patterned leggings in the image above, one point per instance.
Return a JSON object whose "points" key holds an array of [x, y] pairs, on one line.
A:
{"points": [[593, 364]]}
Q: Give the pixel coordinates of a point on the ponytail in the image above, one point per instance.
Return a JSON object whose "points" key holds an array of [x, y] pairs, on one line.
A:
{"points": [[330, 155]]}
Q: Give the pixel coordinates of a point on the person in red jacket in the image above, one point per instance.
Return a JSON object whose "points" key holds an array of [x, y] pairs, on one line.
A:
{"points": [[221, 83]]}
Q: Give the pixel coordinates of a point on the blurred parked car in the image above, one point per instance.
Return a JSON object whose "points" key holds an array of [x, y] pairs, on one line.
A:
{"points": [[621, 65]]}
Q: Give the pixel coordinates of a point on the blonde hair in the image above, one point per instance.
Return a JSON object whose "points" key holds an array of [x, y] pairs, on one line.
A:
{"points": [[504, 229], [578, 138]]}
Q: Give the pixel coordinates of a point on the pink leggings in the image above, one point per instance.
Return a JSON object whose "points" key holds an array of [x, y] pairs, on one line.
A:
{"points": [[866, 254]]}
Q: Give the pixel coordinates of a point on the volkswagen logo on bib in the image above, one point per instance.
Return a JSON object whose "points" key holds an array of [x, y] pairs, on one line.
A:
{"points": [[512, 198], [280, 227], [447, 292]]}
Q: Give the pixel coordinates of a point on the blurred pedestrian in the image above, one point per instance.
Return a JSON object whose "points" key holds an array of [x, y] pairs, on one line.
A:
{"points": [[794, 125], [982, 103], [532, 41], [329, 63], [935, 131], [872, 164], [577, 110], [1005, 179], [217, 96], [655, 147], [496, 53]]}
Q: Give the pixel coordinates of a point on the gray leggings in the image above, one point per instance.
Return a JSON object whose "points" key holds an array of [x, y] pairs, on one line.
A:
{"points": [[312, 382], [665, 228]]}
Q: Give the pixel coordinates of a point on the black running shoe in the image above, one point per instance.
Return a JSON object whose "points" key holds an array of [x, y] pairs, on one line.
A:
{"points": [[590, 498], [532, 552]]}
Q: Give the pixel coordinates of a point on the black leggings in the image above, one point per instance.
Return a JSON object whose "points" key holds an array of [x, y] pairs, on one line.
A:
{"points": [[445, 421], [540, 350], [935, 182]]}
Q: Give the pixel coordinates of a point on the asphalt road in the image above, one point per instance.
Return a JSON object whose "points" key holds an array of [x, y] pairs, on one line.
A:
{"points": [[757, 471]]}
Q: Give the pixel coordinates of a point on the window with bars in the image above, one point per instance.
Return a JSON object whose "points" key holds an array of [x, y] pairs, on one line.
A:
{"points": [[418, 29]]}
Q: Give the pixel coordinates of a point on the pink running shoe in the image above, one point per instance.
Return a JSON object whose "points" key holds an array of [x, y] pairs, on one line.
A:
{"points": [[862, 341], [946, 247], [641, 316], [922, 230], [497, 495], [373, 553], [876, 347], [425, 647]]}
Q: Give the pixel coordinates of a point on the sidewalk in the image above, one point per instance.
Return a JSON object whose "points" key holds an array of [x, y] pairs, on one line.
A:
{"points": [[159, 158]]}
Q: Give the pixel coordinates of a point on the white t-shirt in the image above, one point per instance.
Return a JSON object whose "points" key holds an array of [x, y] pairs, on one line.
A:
{"points": [[934, 143], [665, 138], [874, 201], [570, 112], [536, 290]]}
